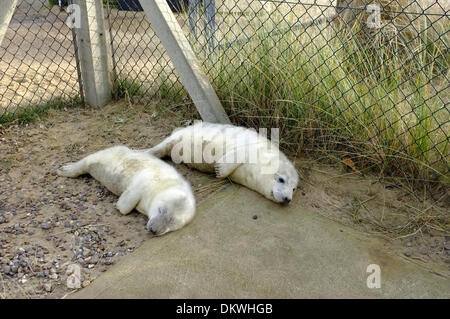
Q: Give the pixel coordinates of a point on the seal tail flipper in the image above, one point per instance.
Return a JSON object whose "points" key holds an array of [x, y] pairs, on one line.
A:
{"points": [[161, 150], [72, 169]]}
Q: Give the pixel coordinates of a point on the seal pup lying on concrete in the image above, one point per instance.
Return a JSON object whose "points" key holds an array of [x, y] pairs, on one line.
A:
{"points": [[143, 182], [243, 155]]}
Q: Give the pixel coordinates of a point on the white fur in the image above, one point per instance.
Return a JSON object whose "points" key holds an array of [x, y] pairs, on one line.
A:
{"points": [[258, 174], [143, 182]]}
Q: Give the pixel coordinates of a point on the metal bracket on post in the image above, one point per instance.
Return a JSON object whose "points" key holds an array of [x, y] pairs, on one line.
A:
{"points": [[180, 52], [93, 53], [6, 13]]}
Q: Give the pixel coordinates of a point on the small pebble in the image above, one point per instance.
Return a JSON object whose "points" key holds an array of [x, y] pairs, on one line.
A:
{"points": [[108, 261], [407, 253], [48, 287], [94, 259], [255, 217]]}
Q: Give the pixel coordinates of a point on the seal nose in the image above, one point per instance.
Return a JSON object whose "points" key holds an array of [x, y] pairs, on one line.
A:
{"points": [[286, 200], [152, 231]]}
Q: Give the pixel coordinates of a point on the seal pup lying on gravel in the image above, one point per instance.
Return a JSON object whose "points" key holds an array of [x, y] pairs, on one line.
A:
{"points": [[143, 182], [243, 155]]}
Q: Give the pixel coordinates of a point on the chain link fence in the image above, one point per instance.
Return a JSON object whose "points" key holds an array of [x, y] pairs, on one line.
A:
{"points": [[142, 69], [38, 65], [365, 82]]}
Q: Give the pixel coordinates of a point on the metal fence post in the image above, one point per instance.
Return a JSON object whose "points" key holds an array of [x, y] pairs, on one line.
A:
{"points": [[94, 59], [180, 52], [210, 9], [194, 15], [9, 6]]}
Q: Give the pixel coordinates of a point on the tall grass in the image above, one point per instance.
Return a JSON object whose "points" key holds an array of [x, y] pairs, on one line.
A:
{"points": [[382, 102]]}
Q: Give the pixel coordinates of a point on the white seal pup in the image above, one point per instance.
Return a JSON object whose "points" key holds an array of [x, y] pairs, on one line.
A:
{"points": [[243, 155], [143, 182]]}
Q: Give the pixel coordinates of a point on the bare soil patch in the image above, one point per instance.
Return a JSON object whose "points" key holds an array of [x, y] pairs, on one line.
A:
{"points": [[48, 223]]}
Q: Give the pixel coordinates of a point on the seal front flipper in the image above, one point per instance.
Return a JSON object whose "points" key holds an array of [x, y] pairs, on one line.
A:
{"points": [[128, 200], [225, 169]]}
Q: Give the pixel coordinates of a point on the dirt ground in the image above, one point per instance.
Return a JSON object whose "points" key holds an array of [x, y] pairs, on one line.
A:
{"points": [[48, 223]]}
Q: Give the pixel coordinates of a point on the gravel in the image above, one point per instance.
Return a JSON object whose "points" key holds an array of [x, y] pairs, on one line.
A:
{"points": [[48, 223]]}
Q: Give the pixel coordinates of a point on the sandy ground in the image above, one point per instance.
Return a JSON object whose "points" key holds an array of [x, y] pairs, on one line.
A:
{"points": [[48, 223]]}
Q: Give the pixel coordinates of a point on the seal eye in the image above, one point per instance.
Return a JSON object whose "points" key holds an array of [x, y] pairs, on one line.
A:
{"points": [[281, 180]]}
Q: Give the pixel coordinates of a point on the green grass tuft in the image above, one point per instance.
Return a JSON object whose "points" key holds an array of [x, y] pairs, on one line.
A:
{"points": [[24, 115], [128, 88]]}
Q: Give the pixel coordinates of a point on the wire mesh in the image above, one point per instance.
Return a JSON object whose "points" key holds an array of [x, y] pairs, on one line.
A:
{"points": [[37, 60], [141, 65]]}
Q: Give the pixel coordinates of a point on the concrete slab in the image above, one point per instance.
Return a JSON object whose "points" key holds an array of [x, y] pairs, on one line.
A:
{"points": [[284, 253]]}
